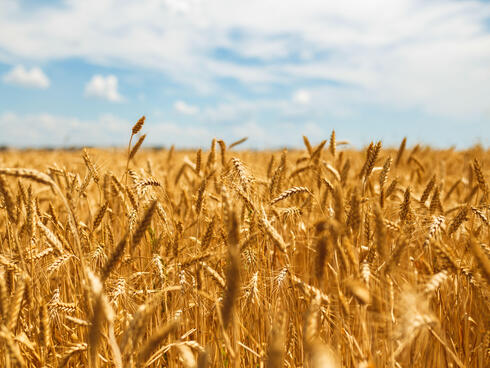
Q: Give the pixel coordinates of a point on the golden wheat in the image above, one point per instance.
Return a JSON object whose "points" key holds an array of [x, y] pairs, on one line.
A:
{"points": [[298, 258]]}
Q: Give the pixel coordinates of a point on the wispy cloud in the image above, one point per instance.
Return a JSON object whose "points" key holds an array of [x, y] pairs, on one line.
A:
{"points": [[30, 78], [46, 129], [104, 87], [412, 53], [185, 108], [271, 63], [302, 97]]}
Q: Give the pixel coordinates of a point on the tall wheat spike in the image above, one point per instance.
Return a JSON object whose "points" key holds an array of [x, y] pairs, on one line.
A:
{"points": [[324, 256]]}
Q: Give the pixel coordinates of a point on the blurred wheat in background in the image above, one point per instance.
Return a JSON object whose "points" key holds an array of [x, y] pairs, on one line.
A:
{"points": [[322, 257]]}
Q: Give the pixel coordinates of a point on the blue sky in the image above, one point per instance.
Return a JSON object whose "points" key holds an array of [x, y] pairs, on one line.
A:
{"points": [[82, 72]]}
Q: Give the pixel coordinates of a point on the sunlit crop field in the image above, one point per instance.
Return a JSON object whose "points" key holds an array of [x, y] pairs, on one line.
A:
{"points": [[320, 257]]}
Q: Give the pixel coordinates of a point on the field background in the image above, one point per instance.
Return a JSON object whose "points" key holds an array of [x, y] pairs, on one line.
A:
{"points": [[321, 257]]}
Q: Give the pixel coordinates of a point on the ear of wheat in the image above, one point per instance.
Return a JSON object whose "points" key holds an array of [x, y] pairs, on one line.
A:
{"points": [[324, 256]]}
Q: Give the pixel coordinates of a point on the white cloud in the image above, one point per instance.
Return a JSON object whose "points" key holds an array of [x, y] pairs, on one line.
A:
{"points": [[185, 108], [250, 129], [430, 56], [230, 111], [104, 88], [44, 129], [189, 136], [302, 97], [31, 78], [180, 6]]}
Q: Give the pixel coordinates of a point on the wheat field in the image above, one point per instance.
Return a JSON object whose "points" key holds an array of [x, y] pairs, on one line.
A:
{"points": [[321, 257]]}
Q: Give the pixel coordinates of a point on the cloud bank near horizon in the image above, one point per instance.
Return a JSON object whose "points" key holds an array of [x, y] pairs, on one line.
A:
{"points": [[219, 66]]}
